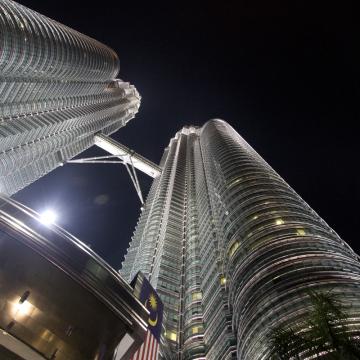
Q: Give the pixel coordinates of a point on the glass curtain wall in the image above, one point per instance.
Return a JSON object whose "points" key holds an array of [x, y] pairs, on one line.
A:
{"points": [[232, 249], [57, 89], [273, 246]]}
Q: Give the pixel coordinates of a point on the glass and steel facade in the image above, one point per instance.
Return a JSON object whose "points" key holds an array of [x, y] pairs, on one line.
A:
{"points": [[58, 88], [232, 249]]}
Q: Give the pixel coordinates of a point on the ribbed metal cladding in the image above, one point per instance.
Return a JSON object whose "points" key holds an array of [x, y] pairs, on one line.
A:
{"points": [[275, 246], [57, 89], [167, 247], [218, 336], [192, 325], [249, 250], [33, 43]]}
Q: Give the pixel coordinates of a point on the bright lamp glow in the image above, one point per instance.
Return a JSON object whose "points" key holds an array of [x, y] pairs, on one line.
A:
{"points": [[24, 308], [48, 217]]}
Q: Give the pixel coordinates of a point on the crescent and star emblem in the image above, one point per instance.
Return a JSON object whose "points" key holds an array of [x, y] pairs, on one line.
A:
{"points": [[153, 322], [153, 306]]}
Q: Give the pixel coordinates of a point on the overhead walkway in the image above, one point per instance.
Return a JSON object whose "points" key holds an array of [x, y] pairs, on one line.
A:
{"points": [[121, 154]]}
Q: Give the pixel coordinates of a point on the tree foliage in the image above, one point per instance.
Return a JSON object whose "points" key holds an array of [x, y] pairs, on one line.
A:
{"points": [[324, 333]]}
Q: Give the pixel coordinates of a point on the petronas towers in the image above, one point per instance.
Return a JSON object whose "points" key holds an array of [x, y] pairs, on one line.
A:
{"points": [[232, 249], [58, 88]]}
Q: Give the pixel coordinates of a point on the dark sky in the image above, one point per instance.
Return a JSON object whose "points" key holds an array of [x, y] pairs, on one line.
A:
{"points": [[286, 77]]}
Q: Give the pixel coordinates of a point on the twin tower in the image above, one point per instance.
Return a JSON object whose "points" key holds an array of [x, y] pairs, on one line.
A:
{"points": [[233, 250], [229, 246]]}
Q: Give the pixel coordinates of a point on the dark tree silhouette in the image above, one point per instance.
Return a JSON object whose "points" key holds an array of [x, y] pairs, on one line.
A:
{"points": [[324, 333]]}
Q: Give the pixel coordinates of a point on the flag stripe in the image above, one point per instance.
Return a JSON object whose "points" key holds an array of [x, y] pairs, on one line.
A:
{"points": [[151, 346], [148, 350], [144, 346], [156, 350], [148, 347]]}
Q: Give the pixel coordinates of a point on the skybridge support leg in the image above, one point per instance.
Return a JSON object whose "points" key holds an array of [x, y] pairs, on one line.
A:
{"points": [[135, 181], [125, 156]]}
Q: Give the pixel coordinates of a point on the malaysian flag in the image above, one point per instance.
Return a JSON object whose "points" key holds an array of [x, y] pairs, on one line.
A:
{"points": [[149, 350], [143, 290]]}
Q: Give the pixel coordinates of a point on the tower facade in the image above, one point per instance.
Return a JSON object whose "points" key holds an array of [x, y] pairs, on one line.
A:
{"points": [[58, 88], [232, 249]]}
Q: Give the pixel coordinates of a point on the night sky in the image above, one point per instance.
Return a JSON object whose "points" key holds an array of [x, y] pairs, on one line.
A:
{"points": [[286, 78]]}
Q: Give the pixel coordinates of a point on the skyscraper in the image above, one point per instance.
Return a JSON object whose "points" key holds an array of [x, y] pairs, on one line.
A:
{"points": [[57, 90], [232, 249]]}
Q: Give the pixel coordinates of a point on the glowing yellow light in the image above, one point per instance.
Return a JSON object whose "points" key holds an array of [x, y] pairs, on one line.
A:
{"points": [[233, 248], [300, 232], [279, 222], [196, 296], [23, 309], [171, 335], [223, 280], [196, 329], [47, 335]]}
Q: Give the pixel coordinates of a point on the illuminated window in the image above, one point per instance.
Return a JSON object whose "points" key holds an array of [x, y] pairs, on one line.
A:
{"points": [[223, 280], [171, 335], [279, 221], [196, 329], [300, 232], [233, 248], [196, 296]]}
